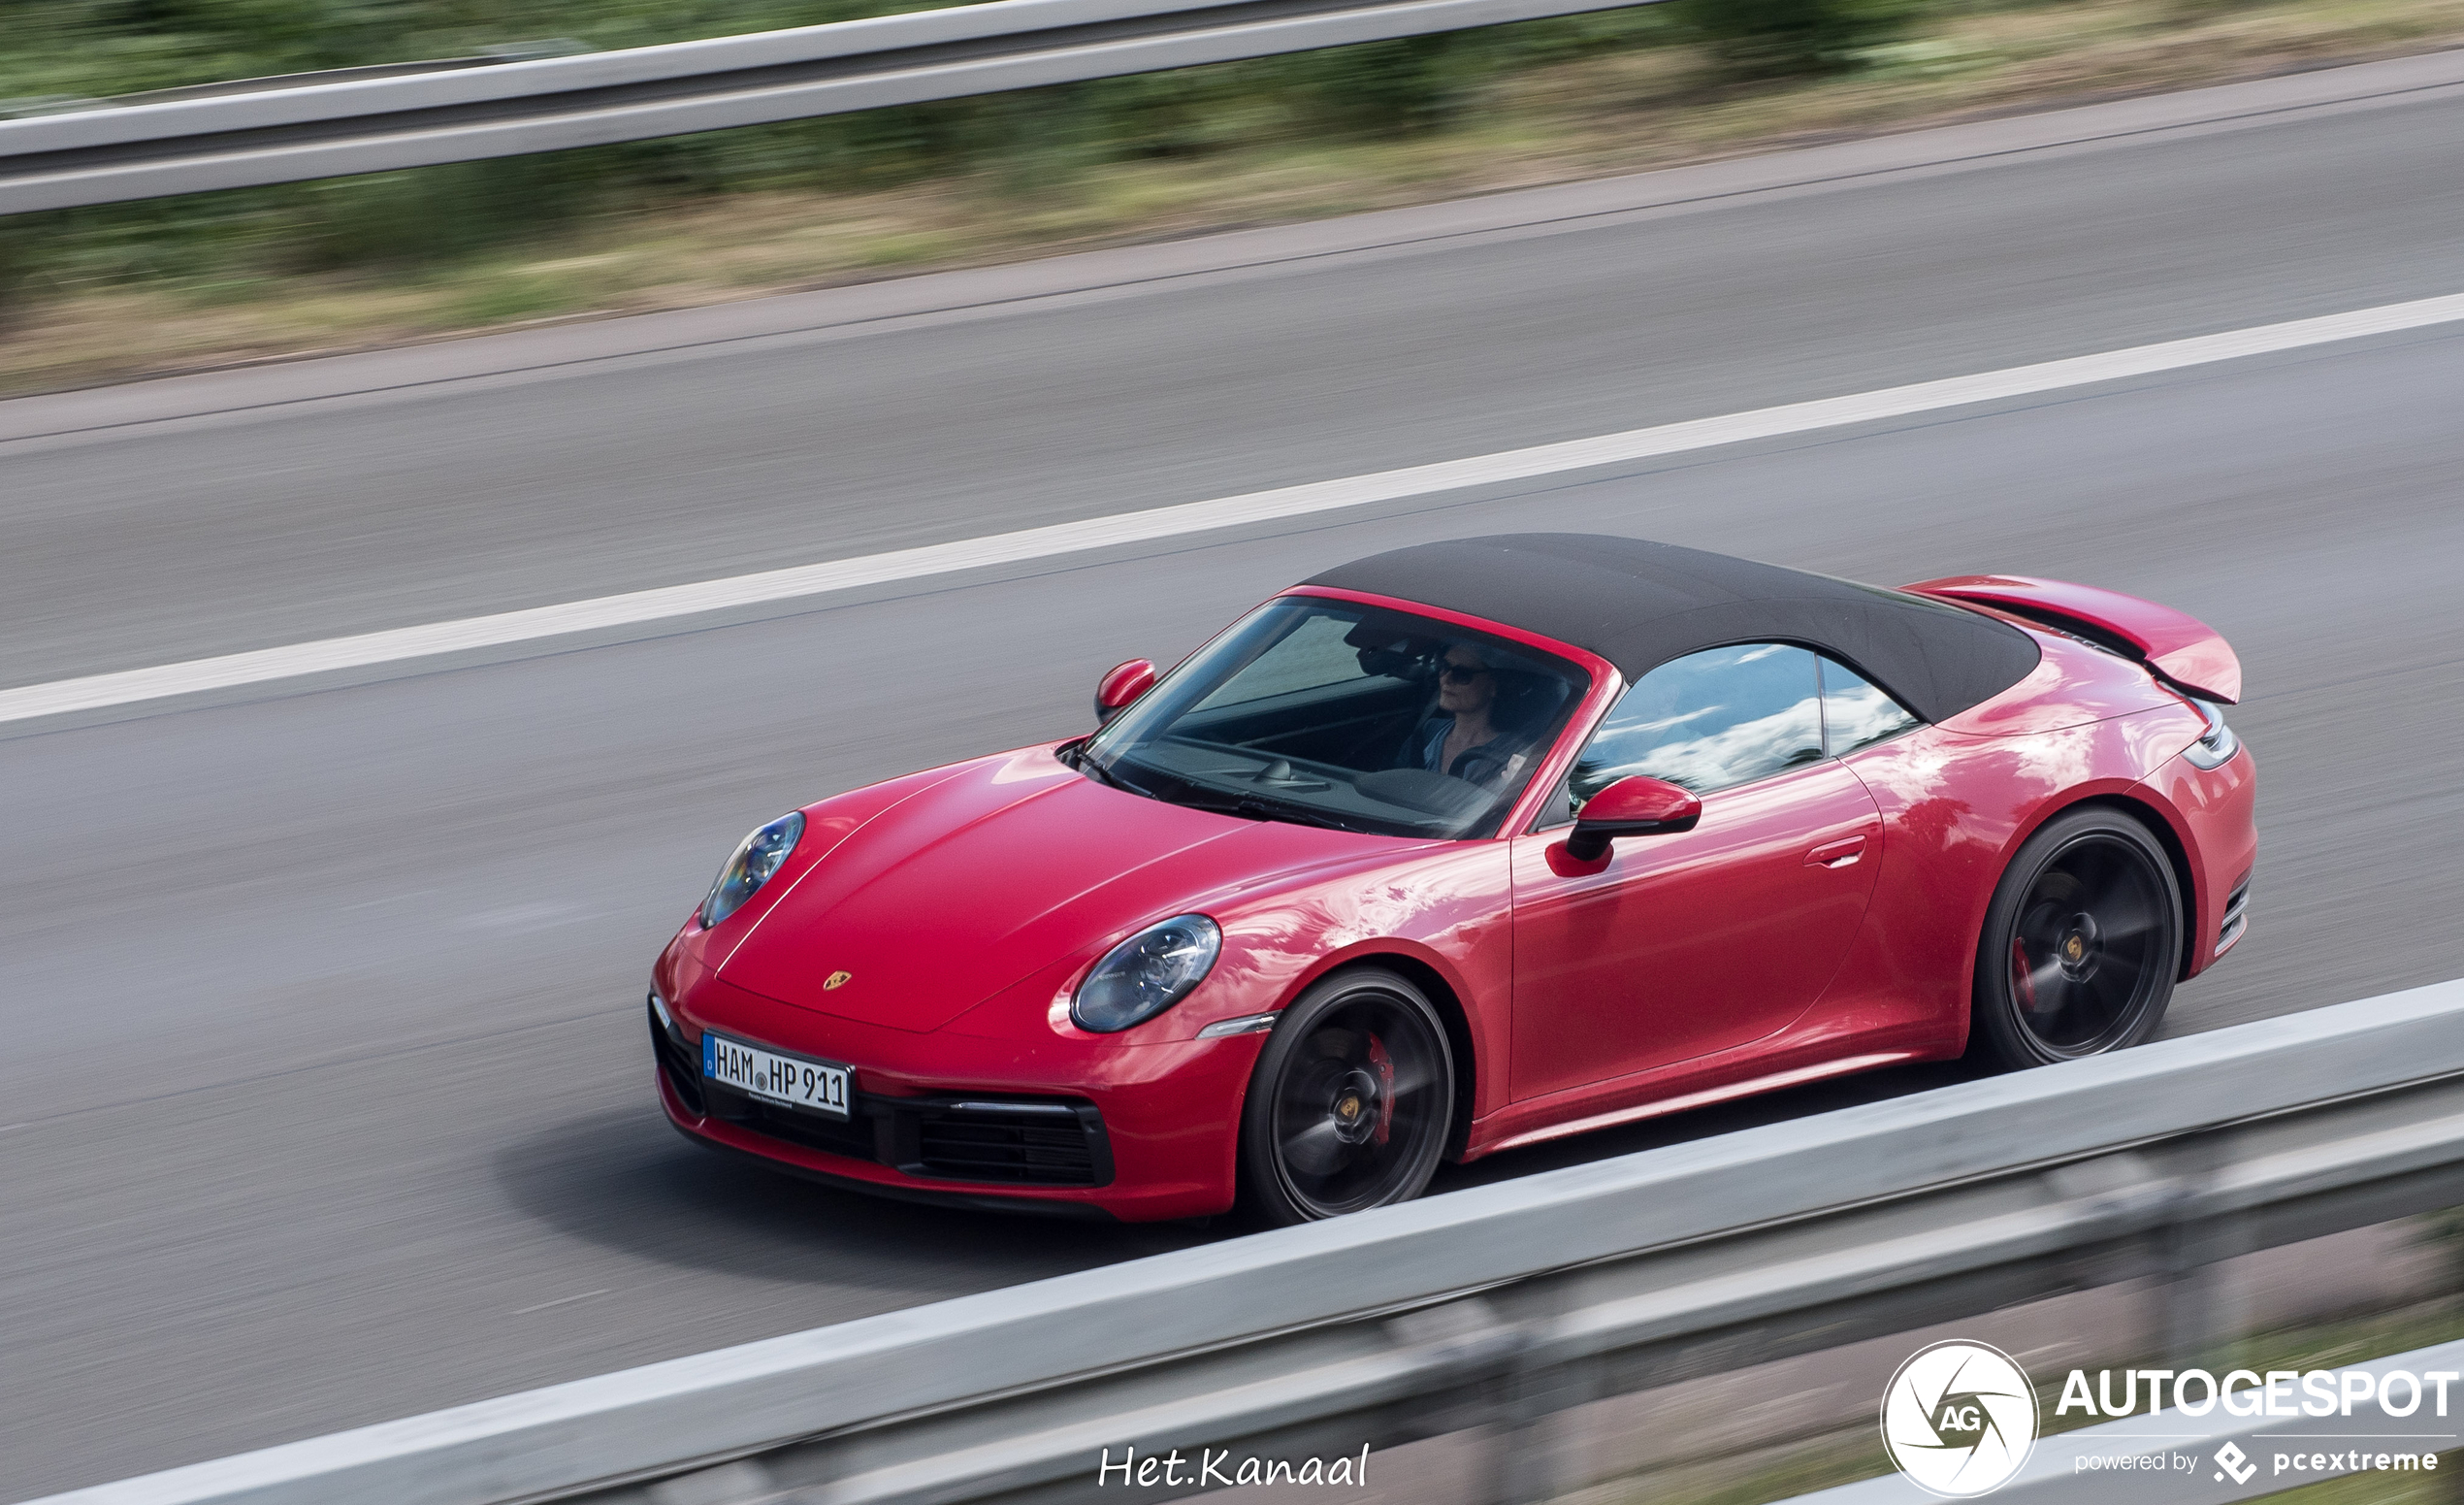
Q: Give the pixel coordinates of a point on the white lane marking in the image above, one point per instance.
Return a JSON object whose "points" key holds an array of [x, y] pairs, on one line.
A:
{"points": [[361, 650], [559, 1301]]}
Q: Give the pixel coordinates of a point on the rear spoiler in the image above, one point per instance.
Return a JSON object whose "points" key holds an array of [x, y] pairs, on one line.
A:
{"points": [[2176, 646]]}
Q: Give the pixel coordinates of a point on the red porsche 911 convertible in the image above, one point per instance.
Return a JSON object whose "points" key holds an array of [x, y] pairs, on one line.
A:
{"points": [[1466, 846]]}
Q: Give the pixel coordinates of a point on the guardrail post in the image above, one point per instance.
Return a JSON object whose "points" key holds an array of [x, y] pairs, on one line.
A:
{"points": [[2157, 1240], [1532, 1457], [1537, 1460], [2201, 1309], [2202, 1312], [1488, 1360]]}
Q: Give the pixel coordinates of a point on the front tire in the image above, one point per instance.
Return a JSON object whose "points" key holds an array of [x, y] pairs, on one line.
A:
{"points": [[2081, 946], [1350, 1102]]}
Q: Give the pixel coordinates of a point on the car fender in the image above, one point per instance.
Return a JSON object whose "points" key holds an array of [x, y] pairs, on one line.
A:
{"points": [[1956, 809], [1446, 915]]}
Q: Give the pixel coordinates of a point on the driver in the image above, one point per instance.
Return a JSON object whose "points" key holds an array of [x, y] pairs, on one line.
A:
{"points": [[1459, 738]]}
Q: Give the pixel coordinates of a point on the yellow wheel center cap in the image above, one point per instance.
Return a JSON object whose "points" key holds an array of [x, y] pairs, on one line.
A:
{"points": [[1348, 1108]]}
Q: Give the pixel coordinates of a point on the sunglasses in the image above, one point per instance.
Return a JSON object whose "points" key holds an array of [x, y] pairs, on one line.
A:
{"points": [[1461, 673]]}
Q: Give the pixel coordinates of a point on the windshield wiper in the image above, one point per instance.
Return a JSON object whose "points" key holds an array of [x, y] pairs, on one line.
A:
{"points": [[1191, 795], [1105, 775], [1253, 807], [1302, 815]]}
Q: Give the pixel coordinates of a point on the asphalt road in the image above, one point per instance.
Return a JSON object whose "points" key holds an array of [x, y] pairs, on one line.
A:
{"points": [[712, 459], [326, 1100]]}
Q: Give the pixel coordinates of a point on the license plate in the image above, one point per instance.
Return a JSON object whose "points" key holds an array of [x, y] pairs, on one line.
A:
{"points": [[772, 1077]]}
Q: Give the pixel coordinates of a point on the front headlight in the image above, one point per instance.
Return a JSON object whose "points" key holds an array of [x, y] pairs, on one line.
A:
{"points": [[1146, 975], [757, 859]]}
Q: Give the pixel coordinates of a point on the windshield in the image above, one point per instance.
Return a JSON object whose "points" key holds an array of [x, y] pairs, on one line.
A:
{"points": [[1330, 713]]}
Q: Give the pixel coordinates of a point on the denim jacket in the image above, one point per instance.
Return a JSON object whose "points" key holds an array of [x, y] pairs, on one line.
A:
{"points": [[1483, 763]]}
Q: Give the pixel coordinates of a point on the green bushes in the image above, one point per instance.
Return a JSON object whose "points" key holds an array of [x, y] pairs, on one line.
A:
{"points": [[1763, 38]]}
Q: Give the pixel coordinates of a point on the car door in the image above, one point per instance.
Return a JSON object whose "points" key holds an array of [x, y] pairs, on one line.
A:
{"points": [[1706, 939]]}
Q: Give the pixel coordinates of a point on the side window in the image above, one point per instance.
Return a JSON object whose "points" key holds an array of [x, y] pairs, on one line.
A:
{"points": [[1708, 721], [1856, 713]]}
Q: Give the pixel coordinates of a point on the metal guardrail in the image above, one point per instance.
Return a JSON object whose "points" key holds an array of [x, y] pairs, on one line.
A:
{"points": [[488, 57], [460, 114], [1496, 1306]]}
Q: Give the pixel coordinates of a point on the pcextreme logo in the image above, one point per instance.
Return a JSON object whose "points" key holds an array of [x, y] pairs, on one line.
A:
{"points": [[2231, 1459], [1958, 1418]]}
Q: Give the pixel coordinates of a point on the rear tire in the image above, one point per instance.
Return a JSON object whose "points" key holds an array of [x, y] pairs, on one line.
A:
{"points": [[1351, 1101], [2081, 946]]}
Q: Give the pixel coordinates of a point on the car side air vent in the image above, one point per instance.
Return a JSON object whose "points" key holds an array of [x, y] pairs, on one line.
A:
{"points": [[2237, 916], [676, 1059]]}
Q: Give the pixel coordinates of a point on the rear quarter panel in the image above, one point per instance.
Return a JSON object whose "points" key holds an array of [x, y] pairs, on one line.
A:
{"points": [[1955, 810], [2215, 814]]}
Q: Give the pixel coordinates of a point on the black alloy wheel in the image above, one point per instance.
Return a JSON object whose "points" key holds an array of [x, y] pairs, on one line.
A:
{"points": [[1351, 1101], [2081, 943]]}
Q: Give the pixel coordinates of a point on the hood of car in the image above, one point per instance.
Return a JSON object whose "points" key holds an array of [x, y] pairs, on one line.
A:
{"points": [[966, 886]]}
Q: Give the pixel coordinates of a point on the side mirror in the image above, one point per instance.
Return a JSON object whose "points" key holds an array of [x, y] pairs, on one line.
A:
{"points": [[1123, 684], [1633, 807]]}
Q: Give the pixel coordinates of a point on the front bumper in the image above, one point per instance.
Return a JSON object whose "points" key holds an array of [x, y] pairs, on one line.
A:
{"points": [[1138, 1133], [1034, 1142]]}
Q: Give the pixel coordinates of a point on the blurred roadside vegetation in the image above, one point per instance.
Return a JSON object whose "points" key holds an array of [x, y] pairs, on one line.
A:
{"points": [[93, 294]]}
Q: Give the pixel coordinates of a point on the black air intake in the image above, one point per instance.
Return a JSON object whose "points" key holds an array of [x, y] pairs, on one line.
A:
{"points": [[1019, 1143], [683, 1068]]}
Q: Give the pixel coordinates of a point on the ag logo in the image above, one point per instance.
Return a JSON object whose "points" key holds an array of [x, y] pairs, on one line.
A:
{"points": [[1958, 1418]]}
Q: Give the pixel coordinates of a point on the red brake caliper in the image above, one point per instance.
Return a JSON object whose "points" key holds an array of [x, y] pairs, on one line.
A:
{"points": [[1386, 1068], [2023, 976]]}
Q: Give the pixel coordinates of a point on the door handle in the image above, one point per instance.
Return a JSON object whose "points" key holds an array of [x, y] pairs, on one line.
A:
{"points": [[1836, 854]]}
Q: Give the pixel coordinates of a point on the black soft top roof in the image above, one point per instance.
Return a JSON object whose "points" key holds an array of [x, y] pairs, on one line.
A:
{"points": [[1638, 604]]}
